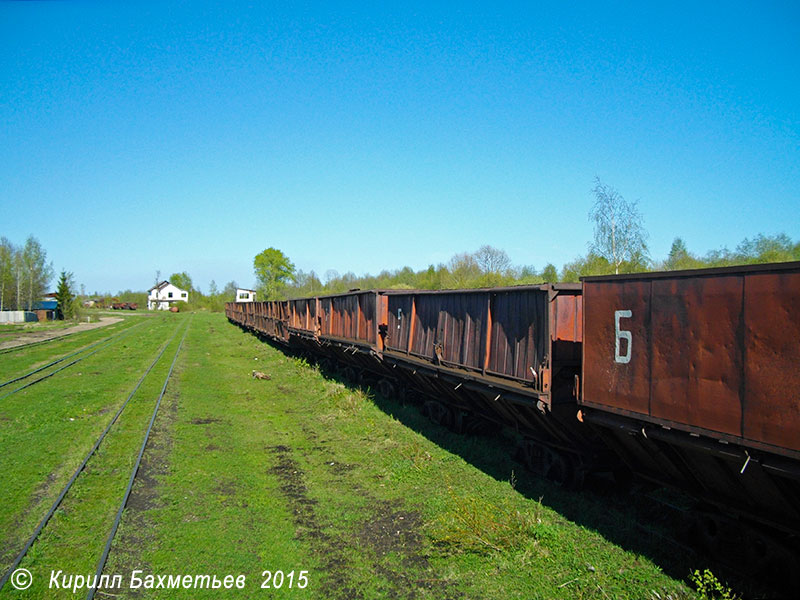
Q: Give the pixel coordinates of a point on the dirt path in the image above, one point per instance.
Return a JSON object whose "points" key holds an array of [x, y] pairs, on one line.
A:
{"points": [[40, 336]]}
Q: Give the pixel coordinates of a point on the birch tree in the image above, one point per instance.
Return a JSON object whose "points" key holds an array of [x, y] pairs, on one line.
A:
{"points": [[619, 234], [7, 252], [35, 271]]}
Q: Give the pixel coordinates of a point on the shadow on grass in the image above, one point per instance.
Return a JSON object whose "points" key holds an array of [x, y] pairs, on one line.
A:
{"points": [[632, 519]]}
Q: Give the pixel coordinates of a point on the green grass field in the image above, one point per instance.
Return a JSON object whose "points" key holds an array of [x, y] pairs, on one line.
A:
{"points": [[301, 475]]}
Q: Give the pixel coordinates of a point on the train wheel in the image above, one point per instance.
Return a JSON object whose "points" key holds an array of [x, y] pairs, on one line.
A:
{"points": [[559, 470], [386, 388], [558, 467], [536, 458], [707, 533], [367, 379], [350, 374], [478, 425], [437, 412]]}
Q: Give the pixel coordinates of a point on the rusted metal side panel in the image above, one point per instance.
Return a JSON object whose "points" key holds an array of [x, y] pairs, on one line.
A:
{"points": [[714, 352], [518, 336], [567, 312], [346, 316], [425, 325], [460, 328], [399, 321], [300, 313], [696, 373], [448, 328], [345, 313], [325, 315], [367, 328], [616, 345], [772, 359], [494, 331]]}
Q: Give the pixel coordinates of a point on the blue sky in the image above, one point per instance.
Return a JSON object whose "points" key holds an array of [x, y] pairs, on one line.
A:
{"points": [[174, 136]]}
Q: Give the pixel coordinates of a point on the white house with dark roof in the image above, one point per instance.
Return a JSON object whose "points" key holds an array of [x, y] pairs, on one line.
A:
{"points": [[161, 296], [243, 295]]}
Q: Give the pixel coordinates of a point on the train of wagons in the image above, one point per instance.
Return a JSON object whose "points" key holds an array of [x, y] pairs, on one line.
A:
{"points": [[688, 379]]}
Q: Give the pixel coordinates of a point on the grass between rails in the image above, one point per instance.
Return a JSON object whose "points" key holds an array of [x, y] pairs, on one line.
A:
{"points": [[19, 361], [303, 473], [46, 430]]}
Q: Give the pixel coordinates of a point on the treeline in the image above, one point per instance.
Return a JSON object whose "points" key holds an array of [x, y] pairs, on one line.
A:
{"points": [[491, 267], [758, 250], [486, 267], [24, 274]]}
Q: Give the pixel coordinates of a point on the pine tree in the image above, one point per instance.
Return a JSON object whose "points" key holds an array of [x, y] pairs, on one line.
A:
{"points": [[65, 297]]}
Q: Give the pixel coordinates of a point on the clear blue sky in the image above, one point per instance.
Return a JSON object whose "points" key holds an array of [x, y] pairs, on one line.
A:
{"points": [[138, 136]]}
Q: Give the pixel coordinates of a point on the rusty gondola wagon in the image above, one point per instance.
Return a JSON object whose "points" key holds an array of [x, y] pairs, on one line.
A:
{"points": [[693, 379], [690, 378]]}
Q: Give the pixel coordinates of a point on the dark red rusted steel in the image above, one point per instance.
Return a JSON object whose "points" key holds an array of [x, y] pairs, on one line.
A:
{"points": [[351, 316], [713, 351], [772, 358], [502, 332]]}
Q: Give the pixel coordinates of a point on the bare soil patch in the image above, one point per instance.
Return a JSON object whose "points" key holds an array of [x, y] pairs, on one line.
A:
{"points": [[337, 582], [40, 336], [389, 537]]}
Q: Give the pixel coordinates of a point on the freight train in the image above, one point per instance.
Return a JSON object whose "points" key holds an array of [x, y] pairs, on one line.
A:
{"points": [[688, 379]]}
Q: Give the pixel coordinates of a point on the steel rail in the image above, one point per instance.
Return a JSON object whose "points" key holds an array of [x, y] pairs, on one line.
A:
{"points": [[82, 466], [102, 562], [39, 342], [52, 339], [108, 341], [63, 358]]}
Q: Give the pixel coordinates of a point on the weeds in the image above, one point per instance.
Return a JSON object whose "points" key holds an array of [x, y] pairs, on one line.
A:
{"points": [[477, 525], [347, 401], [711, 588], [417, 455]]}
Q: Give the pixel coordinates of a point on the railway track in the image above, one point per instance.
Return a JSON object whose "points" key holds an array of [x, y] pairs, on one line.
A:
{"points": [[65, 490], [63, 358], [56, 338], [104, 343], [104, 557]]}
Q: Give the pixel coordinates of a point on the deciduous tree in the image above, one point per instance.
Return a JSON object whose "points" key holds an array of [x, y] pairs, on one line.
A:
{"points": [[273, 271], [550, 274], [492, 260], [7, 283], [619, 234], [182, 280], [229, 291]]}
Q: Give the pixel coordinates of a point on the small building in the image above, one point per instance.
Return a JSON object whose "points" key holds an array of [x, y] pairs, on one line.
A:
{"points": [[161, 296], [243, 295], [46, 310]]}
